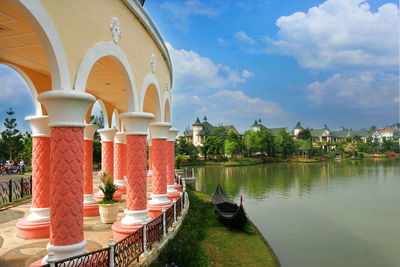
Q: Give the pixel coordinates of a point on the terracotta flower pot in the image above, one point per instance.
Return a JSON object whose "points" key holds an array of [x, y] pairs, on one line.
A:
{"points": [[108, 212]]}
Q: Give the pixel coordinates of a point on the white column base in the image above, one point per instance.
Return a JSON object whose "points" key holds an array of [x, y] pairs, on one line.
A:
{"points": [[88, 199], [135, 217], [149, 172], [63, 252], [159, 199], [39, 215], [171, 189], [120, 183]]}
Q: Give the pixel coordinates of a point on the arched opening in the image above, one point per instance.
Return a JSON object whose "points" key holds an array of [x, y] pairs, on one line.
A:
{"points": [[19, 94], [31, 43], [151, 102]]}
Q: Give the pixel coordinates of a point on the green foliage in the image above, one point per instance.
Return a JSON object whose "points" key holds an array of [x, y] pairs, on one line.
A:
{"points": [[26, 151], [178, 160], [259, 142], [108, 188], [185, 249], [304, 134], [12, 138], [233, 144], [186, 148], [213, 146], [284, 144], [99, 121]]}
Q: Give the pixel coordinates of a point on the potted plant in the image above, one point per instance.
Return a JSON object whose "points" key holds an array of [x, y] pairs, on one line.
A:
{"points": [[108, 207]]}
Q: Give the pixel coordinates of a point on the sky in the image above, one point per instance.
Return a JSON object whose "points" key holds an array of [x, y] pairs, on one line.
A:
{"points": [[333, 62]]}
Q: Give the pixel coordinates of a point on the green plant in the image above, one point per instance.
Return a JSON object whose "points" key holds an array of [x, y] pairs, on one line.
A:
{"points": [[108, 188], [178, 160]]}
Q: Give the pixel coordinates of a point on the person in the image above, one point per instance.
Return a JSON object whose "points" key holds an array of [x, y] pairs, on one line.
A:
{"points": [[9, 166], [22, 166]]}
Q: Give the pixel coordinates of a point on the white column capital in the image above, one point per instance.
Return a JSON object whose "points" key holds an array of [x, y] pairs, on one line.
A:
{"points": [[66, 108], [136, 123], [89, 131], [120, 138], [159, 130], [107, 135], [172, 132], [39, 125]]}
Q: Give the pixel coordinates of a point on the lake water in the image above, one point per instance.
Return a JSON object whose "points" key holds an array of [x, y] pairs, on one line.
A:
{"points": [[337, 213]]}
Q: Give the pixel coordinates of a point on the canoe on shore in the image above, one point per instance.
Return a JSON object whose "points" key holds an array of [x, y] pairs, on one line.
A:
{"points": [[230, 213]]}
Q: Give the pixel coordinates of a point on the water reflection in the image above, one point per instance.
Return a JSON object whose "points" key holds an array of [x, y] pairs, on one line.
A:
{"points": [[337, 213], [262, 181]]}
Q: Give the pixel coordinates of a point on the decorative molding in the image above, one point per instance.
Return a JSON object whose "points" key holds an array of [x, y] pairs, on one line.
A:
{"points": [[141, 14], [153, 63], [115, 29]]}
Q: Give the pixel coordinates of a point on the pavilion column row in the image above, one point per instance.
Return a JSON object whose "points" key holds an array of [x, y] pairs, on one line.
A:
{"points": [[90, 208], [37, 224], [62, 160]]}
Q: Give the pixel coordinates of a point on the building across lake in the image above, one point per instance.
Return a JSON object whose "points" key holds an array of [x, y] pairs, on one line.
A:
{"points": [[201, 130]]}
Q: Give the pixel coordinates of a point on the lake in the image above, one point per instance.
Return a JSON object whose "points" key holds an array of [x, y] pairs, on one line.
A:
{"points": [[336, 213]]}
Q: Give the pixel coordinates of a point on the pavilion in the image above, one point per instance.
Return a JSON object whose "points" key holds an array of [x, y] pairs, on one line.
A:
{"points": [[72, 54]]}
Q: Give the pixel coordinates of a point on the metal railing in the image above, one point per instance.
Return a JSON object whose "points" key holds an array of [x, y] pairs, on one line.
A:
{"points": [[129, 249], [15, 189]]}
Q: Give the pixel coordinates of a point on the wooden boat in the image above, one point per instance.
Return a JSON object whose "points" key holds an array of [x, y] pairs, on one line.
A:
{"points": [[230, 213]]}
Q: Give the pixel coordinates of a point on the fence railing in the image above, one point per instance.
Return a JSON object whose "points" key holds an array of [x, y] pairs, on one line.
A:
{"points": [[14, 189], [129, 249]]}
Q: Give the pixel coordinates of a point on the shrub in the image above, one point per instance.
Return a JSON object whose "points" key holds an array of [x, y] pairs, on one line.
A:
{"points": [[108, 188]]}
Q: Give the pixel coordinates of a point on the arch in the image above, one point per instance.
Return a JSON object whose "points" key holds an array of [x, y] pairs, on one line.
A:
{"points": [[47, 33], [31, 86], [167, 107], [103, 49], [150, 81]]}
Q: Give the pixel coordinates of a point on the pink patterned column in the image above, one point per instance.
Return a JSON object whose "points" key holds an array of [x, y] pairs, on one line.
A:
{"points": [[136, 124], [90, 208], [107, 158], [172, 192], [120, 161], [67, 110], [159, 196], [37, 224]]}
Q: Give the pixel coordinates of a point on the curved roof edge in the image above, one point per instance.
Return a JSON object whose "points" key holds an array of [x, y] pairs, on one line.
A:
{"points": [[141, 14]]}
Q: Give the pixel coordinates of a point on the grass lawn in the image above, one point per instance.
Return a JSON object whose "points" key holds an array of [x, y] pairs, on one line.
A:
{"points": [[202, 240], [229, 247]]}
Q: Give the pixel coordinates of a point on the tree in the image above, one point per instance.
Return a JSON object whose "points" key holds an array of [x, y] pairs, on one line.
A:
{"points": [[186, 148], [214, 146], [99, 121], [264, 142], [284, 143], [304, 134], [26, 151], [233, 144], [11, 136]]}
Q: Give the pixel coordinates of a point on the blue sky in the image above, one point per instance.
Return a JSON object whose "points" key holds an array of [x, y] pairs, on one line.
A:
{"points": [[333, 62]]}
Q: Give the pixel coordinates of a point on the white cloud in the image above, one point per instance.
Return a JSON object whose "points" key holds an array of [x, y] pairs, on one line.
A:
{"points": [[243, 37], [12, 86], [247, 74], [181, 13], [221, 41], [357, 90], [237, 103], [340, 33], [192, 71], [202, 87]]}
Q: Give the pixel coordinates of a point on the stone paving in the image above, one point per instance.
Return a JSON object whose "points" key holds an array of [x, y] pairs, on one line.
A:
{"points": [[15, 251]]}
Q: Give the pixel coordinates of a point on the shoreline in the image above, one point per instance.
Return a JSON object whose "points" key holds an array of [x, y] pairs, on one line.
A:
{"points": [[252, 161]]}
